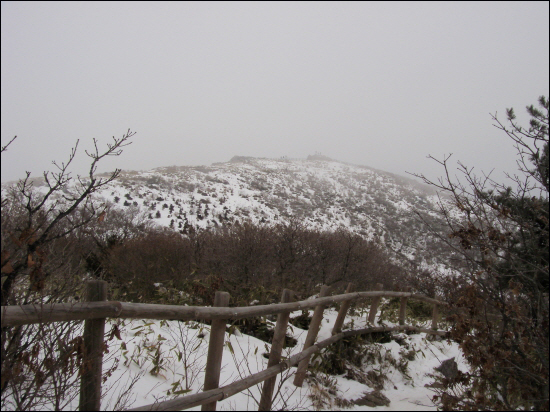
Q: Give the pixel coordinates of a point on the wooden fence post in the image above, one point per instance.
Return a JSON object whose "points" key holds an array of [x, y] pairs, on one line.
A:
{"points": [[275, 353], [435, 316], [94, 330], [344, 307], [314, 327], [403, 308], [374, 304], [215, 351]]}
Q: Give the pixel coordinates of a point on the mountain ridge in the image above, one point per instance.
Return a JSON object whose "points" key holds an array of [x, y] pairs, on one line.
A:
{"points": [[322, 193]]}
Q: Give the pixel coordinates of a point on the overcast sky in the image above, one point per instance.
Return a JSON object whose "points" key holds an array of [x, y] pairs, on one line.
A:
{"points": [[377, 84]]}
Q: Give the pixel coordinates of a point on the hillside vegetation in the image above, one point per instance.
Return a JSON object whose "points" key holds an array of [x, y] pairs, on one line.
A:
{"points": [[255, 226]]}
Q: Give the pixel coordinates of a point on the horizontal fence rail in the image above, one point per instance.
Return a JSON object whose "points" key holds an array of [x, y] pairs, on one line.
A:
{"points": [[95, 313], [62, 312]]}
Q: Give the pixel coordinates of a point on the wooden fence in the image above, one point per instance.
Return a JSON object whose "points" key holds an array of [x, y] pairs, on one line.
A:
{"points": [[97, 309]]}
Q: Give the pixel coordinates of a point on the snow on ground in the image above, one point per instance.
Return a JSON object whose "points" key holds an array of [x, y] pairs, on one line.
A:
{"points": [[169, 357], [225, 192]]}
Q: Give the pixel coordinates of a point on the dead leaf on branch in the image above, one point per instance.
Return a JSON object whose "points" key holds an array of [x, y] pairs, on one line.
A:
{"points": [[5, 256], [7, 268], [37, 278]]}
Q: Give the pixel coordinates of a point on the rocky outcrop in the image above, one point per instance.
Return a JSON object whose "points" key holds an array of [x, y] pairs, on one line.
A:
{"points": [[448, 368], [372, 399]]}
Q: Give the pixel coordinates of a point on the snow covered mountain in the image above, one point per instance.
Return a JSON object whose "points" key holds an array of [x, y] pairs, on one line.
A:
{"points": [[321, 193]]}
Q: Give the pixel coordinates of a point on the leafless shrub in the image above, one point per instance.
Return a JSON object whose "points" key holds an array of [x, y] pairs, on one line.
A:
{"points": [[39, 266]]}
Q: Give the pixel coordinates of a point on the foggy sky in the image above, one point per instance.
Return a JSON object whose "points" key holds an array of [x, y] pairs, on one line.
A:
{"points": [[376, 84]]}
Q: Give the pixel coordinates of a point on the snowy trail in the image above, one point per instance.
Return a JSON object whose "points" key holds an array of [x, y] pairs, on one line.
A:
{"points": [[244, 355]]}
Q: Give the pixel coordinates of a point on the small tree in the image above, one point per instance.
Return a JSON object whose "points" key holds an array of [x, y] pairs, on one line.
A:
{"points": [[63, 209], [39, 265], [500, 293]]}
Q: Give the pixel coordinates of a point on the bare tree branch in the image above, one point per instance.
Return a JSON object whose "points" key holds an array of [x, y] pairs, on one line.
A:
{"points": [[5, 148]]}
